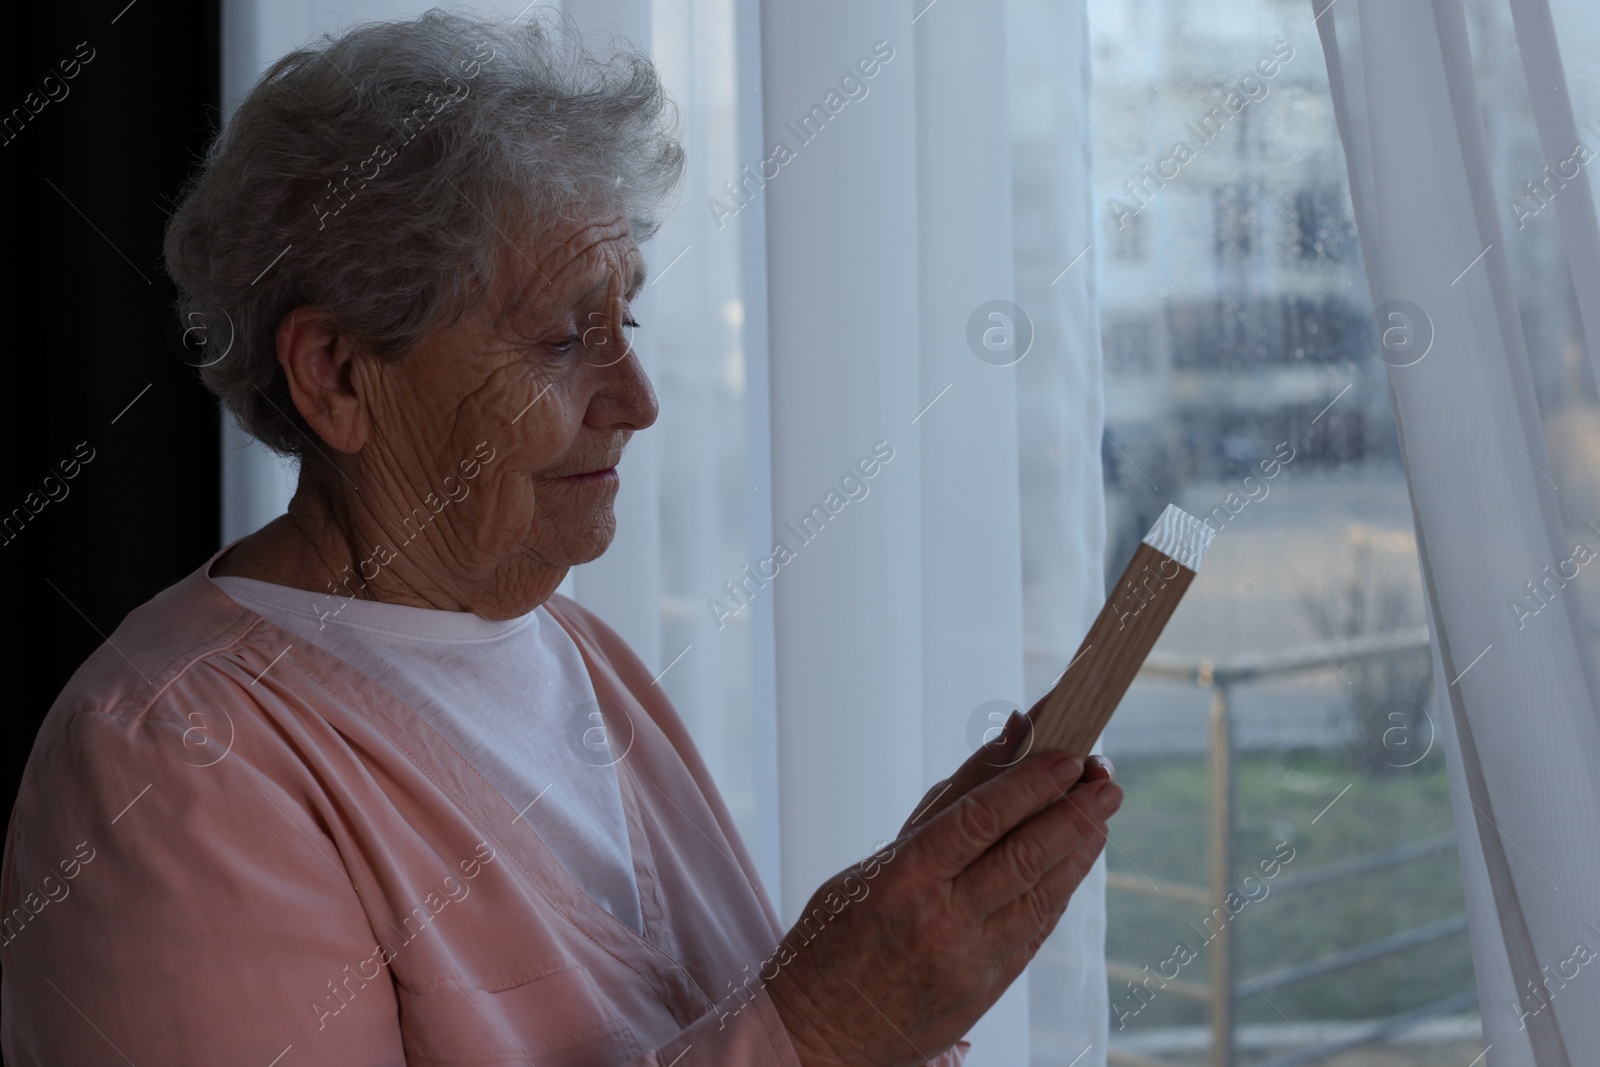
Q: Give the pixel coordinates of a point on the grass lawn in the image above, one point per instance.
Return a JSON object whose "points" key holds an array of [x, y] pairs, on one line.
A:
{"points": [[1161, 833]]}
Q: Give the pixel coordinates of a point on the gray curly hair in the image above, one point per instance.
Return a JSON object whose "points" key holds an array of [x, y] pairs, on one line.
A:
{"points": [[376, 173]]}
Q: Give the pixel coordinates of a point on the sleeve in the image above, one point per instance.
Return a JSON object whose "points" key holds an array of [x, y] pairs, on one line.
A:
{"points": [[752, 1036], [166, 906]]}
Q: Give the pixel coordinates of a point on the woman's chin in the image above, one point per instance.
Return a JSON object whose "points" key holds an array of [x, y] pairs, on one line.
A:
{"points": [[583, 539]]}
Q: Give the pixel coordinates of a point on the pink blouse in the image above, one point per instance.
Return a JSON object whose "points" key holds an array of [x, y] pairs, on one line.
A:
{"points": [[232, 847]]}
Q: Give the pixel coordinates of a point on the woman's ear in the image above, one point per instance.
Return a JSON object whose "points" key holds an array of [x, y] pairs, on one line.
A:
{"points": [[319, 361]]}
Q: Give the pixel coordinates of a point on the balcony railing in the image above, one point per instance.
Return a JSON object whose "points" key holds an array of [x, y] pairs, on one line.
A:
{"points": [[1223, 986]]}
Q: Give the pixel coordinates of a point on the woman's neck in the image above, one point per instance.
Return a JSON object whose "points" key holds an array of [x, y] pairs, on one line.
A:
{"points": [[331, 550]]}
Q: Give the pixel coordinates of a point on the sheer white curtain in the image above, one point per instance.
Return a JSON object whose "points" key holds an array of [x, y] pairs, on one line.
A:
{"points": [[1502, 487], [808, 317]]}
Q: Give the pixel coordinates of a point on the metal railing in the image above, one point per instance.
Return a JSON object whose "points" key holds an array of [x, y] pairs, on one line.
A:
{"points": [[1222, 986]]}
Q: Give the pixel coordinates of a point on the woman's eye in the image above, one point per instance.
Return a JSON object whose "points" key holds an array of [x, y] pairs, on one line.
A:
{"points": [[565, 346]]}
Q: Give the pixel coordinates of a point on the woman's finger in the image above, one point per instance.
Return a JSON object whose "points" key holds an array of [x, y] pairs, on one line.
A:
{"points": [[1098, 768], [1020, 861], [1029, 919], [1007, 747], [958, 836]]}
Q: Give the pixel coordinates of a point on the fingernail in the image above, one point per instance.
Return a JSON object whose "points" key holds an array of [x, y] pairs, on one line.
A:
{"points": [[1107, 798], [1067, 771]]}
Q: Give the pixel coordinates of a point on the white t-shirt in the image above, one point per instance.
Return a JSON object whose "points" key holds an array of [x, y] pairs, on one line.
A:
{"points": [[513, 697]]}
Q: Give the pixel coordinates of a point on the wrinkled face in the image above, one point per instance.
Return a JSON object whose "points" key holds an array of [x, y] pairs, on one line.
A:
{"points": [[515, 416]]}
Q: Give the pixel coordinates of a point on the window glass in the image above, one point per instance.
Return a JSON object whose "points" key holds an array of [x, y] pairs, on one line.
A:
{"points": [[1287, 833]]}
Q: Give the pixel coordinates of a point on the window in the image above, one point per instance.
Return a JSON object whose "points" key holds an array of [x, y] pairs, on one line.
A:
{"points": [[1234, 215], [1129, 347], [1257, 770], [1322, 225], [1128, 238]]}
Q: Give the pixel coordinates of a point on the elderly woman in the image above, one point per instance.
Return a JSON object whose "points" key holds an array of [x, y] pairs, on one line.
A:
{"points": [[363, 789]]}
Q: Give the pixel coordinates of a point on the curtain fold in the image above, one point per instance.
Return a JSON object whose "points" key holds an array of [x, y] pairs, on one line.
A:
{"points": [[1063, 507], [842, 351], [1516, 688], [966, 416]]}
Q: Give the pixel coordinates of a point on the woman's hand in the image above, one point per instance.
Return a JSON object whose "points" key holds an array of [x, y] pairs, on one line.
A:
{"points": [[1011, 745], [934, 928]]}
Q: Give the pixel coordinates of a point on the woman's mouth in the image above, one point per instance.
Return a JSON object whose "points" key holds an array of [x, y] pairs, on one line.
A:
{"points": [[609, 474]]}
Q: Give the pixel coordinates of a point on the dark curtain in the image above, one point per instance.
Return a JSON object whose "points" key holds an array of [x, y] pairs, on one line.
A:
{"points": [[104, 109]]}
